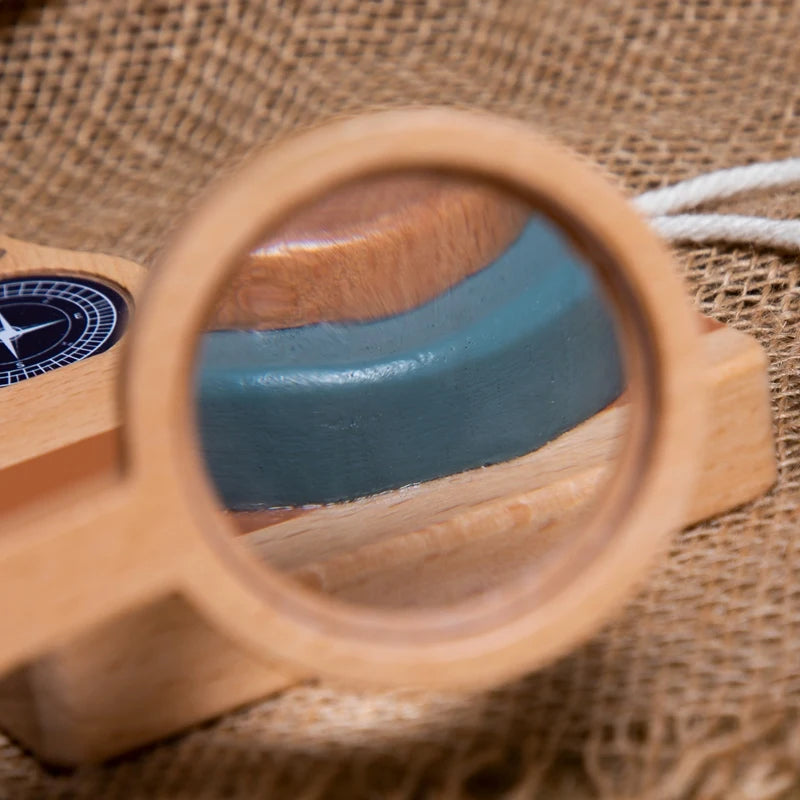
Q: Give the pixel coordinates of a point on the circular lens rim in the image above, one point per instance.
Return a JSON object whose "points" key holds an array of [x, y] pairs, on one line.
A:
{"points": [[474, 642]]}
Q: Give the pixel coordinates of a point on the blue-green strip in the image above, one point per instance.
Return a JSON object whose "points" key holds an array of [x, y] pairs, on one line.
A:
{"points": [[494, 368]]}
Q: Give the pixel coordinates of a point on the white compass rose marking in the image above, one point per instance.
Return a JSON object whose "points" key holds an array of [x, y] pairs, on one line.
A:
{"points": [[9, 333]]}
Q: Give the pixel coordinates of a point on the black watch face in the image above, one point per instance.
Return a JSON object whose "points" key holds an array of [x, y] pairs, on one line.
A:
{"points": [[49, 321]]}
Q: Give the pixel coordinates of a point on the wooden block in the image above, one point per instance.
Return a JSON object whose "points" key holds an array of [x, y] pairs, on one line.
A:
{"points": [[131, 680], [738, 461]]}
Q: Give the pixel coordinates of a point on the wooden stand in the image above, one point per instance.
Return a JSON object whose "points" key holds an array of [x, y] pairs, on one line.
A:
{"points": [[161, 668]]}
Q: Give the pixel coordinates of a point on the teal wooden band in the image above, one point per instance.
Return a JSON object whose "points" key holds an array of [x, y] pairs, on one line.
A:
{"points": [[502, 363]]}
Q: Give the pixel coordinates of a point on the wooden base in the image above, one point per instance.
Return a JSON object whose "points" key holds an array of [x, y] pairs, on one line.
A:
{"points": [[155, 671]]}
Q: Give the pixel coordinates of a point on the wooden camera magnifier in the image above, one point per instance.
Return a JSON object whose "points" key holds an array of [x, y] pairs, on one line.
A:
{"points": [[245, 418]]}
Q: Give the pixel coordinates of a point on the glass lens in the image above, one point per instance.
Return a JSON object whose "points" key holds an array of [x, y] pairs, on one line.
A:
{"points": [[411, 391]]}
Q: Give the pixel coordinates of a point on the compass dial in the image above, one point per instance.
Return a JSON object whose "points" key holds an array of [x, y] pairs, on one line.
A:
{"points": [[49, 321]]}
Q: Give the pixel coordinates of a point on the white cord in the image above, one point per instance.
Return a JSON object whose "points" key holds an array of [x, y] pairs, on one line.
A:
{"points": [[661, 205], [719, 184], [701, 228]]}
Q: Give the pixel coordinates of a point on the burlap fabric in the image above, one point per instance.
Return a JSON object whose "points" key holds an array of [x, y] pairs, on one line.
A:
{"points": [[115, 114]]}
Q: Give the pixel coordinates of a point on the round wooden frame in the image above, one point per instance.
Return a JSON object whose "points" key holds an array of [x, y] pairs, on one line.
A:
{"points": [[157, 530]]}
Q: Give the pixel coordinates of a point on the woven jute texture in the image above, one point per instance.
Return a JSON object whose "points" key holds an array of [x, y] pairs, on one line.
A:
{"points": [[116, 114]]}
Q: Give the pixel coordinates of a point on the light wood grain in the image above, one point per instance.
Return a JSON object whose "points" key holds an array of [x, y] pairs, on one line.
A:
{"points": [[136, 678]]}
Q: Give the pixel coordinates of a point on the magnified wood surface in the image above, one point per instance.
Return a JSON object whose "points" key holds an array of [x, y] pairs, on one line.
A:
{"points": [[371, 248]]}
